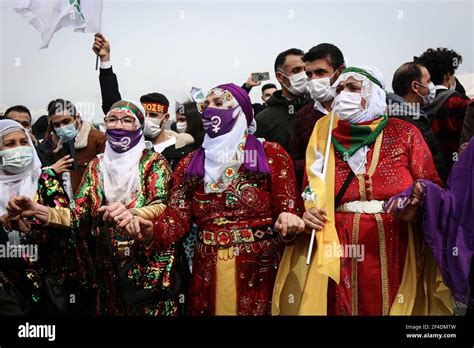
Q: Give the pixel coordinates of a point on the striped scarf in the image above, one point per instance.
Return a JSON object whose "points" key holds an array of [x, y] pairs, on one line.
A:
{"points": [[348, 138]]}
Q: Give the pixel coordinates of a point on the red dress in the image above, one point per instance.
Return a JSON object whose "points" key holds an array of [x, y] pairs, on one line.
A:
{"points": [[252, 200], [369, 286]]}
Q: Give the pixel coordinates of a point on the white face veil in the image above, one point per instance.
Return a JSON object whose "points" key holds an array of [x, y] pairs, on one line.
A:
{"points": [[121, 171], [24, 183], [373, 91]]}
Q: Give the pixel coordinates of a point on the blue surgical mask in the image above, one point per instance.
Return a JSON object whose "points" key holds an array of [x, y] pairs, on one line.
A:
{"points": [[67, 133], [16, 160]]}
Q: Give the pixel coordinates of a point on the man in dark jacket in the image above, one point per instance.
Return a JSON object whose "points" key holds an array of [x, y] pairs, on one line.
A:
{"points": [[277, 121], [74, 137], [411, 83], [267, 91], [171, 145], [447, 112], [323, 65], [468, 127]]}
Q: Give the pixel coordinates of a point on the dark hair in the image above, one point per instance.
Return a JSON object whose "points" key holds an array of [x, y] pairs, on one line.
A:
{"points": [[439, 62], [459, 87], [268, 86], [404, 76], [280, 59], [194, 121], [17, 108], [325, 50], [61, 105], [40, 127], [154, 98]]}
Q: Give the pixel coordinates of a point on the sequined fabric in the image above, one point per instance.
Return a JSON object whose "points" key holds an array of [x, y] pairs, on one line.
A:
{"points": [[251, 200], [404, 157], [56, 248], [150, 269]]}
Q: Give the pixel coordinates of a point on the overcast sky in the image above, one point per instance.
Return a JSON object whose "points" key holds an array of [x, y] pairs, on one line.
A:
{"points": [[170, 46]]}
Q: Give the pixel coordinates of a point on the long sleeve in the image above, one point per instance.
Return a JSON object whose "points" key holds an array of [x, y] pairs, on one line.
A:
{"points": [[284, 192], [157, 182], [51, 194], [88, 199], [468, 125], [262, 127], [246, 88], [176, 220], [298, 144], [50, 191], [109, 89], [420, 158]]}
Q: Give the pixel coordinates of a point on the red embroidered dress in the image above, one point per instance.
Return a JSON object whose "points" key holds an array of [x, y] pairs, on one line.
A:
{"points": [[369, 286], [250, 204]]}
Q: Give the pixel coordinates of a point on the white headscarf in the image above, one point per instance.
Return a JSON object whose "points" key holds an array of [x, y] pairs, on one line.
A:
{"points": [[223, 152], [120, 171], [376, 99], [374, 95], [24, 183]]}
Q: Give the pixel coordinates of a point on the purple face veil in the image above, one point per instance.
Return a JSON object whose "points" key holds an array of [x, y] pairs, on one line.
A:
{"points": [[255, 159]]}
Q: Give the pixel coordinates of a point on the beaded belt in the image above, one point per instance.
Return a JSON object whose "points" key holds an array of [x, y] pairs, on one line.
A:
{"points": [[368, 207], [225, 238]]}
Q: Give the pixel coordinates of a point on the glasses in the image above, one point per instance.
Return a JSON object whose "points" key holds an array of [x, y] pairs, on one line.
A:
{"points": [[127, 122]]}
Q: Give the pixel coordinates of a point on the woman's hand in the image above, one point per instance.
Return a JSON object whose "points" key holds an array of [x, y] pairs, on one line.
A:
{"points": [[409, 213], [140, 229], [63, 165], [314, 219], [117, 213], [15, 223], [20, 206], [288, 223], [24, 207]]}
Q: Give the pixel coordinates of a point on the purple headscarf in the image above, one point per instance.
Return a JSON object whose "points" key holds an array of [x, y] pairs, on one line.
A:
{"points": [[252, 145], [448, 223]]}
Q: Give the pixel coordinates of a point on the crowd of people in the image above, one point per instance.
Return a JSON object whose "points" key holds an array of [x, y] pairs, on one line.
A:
{"points": [[332, 197]]}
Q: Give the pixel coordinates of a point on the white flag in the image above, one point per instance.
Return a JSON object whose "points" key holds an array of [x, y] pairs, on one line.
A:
{"points": [[49, 16]]}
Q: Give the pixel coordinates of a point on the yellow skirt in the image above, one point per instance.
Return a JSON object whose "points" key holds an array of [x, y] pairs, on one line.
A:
{"points": [[226, 285]]}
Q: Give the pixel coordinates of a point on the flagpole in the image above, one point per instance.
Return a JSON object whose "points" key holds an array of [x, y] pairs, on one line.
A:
{"points": [[96, 62], [323, 171]]}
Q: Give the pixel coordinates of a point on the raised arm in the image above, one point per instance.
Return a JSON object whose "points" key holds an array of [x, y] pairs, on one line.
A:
{"points": [[109, 87]]}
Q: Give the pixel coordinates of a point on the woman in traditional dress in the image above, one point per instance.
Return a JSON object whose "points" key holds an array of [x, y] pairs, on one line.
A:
{"points": [[32, 253], [127, 277], [364, 261], [240, 191]]}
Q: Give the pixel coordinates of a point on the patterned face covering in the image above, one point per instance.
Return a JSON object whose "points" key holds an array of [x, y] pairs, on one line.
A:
{"points": [[122, 140], [217, 122]]}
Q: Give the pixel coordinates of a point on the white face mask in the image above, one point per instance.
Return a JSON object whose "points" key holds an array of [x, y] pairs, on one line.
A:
{"points": [[181, 127], [347, 106], [298, 83], [16, 160], [320, 89], [430, 97], [152, 127]]}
